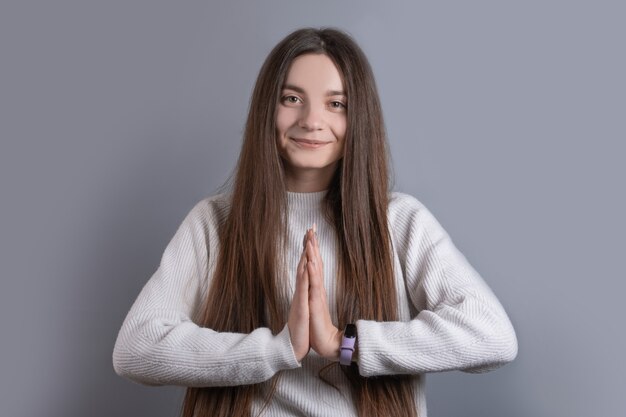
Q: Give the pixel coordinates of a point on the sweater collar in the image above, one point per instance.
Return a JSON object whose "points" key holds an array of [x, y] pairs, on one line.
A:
{"points": [[305, 200]]}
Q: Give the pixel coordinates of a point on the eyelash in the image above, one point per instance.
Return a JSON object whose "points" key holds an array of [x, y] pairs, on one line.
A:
{"points": [[285, 99]]}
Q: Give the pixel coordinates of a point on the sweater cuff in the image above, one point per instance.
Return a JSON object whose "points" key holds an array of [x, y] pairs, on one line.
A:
{"points": [[373, 358], [285, 356]]}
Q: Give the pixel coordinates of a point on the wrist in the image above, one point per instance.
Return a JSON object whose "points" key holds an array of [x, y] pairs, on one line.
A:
{"points": [[337, 345]]}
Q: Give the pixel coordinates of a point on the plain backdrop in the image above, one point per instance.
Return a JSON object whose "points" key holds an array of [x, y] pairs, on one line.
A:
{"points": [[506, 119]]}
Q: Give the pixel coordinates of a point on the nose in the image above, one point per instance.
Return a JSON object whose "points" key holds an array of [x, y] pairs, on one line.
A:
{"points": [[311, 118]]}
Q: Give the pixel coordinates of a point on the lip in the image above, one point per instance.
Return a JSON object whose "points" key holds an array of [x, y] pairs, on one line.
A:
{"points": [[309, 143]]}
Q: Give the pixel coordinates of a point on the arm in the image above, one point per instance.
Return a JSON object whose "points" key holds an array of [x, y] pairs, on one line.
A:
{"points": [[460, 324], [159, 343]]}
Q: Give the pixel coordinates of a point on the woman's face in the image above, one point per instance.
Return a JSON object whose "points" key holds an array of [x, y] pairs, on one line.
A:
{"points": [[311, 122]]}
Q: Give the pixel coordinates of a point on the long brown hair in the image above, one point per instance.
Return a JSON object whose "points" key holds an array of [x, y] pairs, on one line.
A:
{"points": [[247, 290]]}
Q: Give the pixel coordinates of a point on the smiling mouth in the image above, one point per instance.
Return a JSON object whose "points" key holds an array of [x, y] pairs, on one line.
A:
{"points": [[309, 143]]}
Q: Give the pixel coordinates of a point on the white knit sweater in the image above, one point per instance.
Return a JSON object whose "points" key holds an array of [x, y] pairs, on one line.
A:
{"points": [[449, 318]]}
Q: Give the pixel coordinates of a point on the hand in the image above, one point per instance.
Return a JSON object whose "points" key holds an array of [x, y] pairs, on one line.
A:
{"points": [[298, 321], [324, 337]]}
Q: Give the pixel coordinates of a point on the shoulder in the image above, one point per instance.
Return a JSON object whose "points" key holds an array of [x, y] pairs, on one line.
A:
{"points": [[208, 213], [213, 205], [405, 208], [400, 202], [409, 218]]}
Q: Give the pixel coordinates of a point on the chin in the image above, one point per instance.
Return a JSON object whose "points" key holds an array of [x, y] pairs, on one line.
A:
{"points": [[311, 162], [304, 163]]}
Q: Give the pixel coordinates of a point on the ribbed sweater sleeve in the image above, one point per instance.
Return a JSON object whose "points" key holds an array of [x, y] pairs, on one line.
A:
{"points": [[458, 323], [160, 344]]}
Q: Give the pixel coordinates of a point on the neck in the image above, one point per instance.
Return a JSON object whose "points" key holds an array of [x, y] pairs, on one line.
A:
{"points": [[309, 180]]}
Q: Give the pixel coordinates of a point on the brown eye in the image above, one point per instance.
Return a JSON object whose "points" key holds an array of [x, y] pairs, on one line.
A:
{"points": [[290, 99], [337, 105]]}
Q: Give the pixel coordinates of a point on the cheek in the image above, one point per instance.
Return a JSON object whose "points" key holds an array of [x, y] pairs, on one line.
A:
{"points": [[284, 120], [341, 125]]}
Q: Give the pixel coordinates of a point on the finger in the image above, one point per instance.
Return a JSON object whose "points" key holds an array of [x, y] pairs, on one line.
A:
{"points": [[313, 252], [316, 246], [316, 255], [301, 268], [302, 291], [306, 277], [300, 306], [314, 228], [302, 262], [312, 258], [308, 235], [316, 279], [318, 308]]}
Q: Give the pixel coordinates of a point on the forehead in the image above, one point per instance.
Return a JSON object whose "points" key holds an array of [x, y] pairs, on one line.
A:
{"points": [[314, 72]]}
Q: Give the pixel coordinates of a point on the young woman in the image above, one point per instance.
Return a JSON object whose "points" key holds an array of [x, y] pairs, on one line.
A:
{"points": [[310, 289]]}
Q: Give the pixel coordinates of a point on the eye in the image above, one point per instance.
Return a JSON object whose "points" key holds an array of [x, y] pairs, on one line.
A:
{"points": [[290, 99], [337, 105]]}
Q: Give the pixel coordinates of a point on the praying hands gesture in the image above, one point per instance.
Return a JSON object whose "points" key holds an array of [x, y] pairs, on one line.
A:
{"points": [[310, 325]]}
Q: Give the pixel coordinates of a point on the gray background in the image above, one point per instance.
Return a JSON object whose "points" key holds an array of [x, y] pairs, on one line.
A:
{"points": [[505, 118]]}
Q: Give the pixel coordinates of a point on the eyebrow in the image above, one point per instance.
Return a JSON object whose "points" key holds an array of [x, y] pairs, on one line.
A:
{"points": [[301, 90]]}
